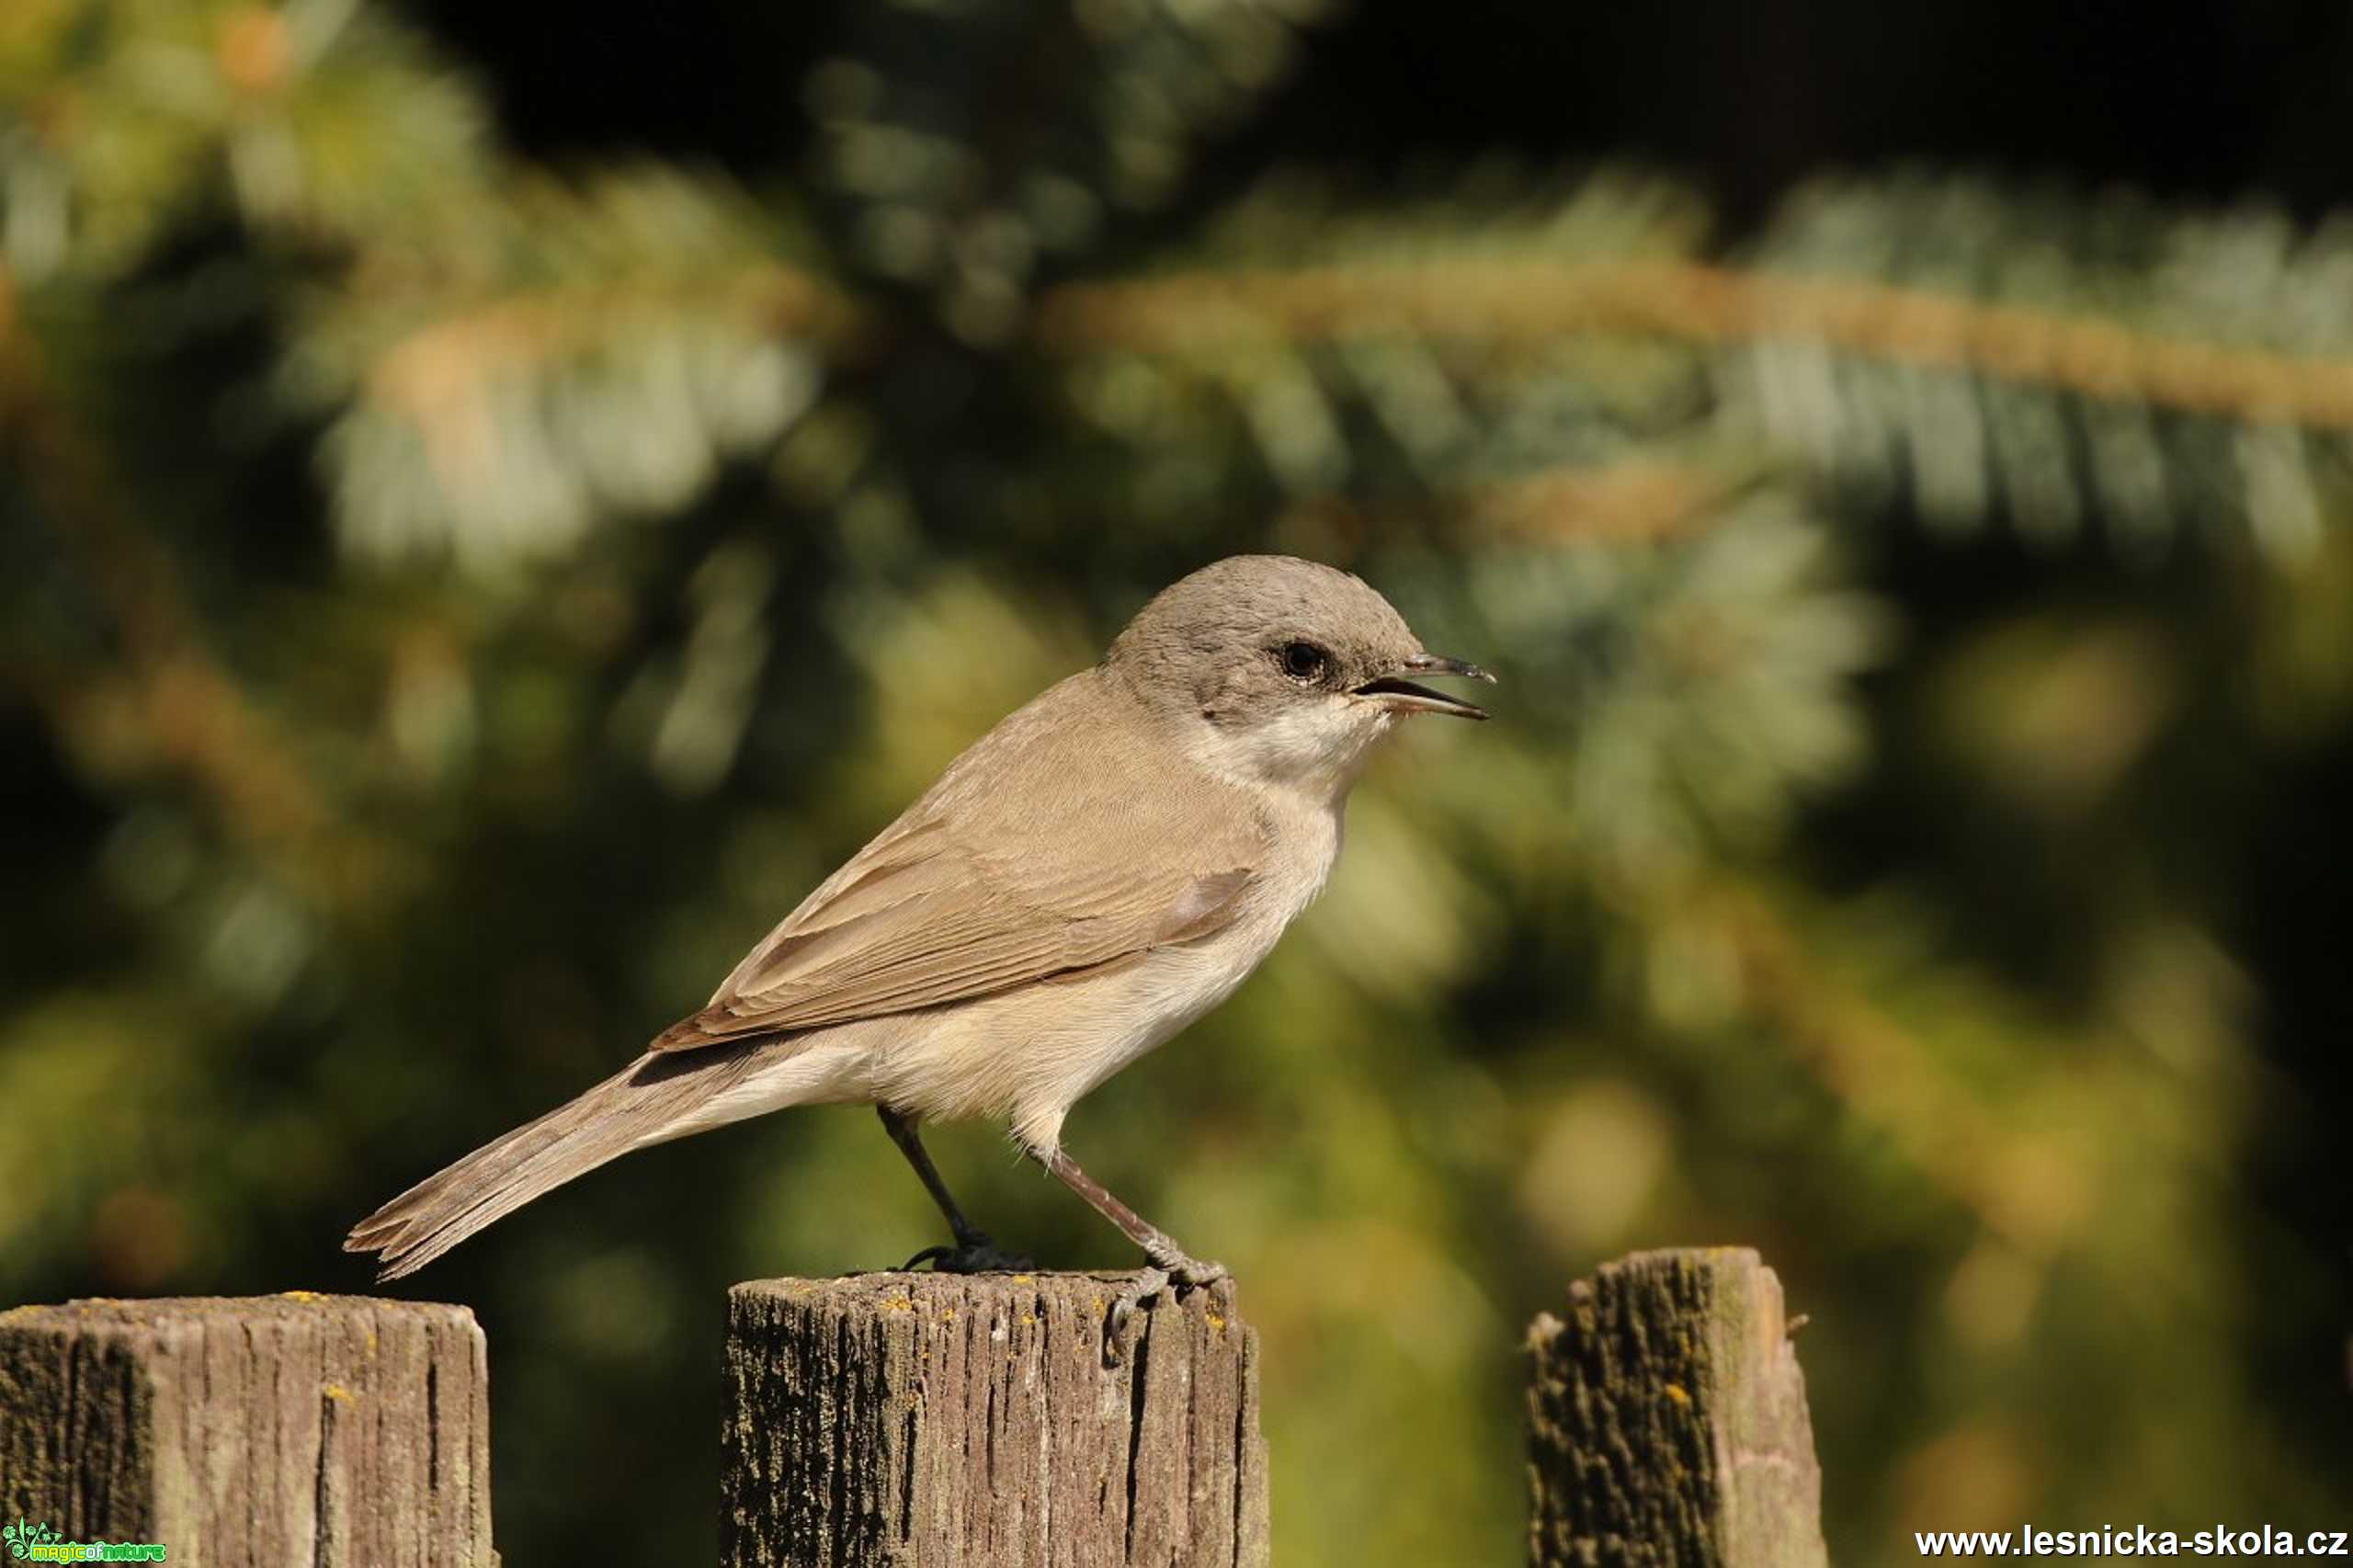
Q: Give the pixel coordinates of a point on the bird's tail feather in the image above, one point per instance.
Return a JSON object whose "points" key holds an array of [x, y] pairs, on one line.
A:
{"points": [[502, 1175]]}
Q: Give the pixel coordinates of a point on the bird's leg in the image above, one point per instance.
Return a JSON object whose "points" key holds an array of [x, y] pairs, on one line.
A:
{"points": [[1158, 1244], [973, 1252], [1170, 1265]]}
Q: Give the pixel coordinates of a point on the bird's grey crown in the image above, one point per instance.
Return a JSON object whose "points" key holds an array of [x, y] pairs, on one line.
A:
{"points": [[1187, 642]]}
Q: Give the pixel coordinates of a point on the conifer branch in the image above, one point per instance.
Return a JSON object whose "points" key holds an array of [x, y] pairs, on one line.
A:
{"points": [[1505, 303], [182, 701]]}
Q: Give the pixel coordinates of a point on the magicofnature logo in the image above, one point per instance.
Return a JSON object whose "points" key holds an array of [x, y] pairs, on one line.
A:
{"points": [[34, 1542]]}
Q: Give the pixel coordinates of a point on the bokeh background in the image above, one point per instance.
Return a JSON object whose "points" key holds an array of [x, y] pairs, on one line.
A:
{"points": [[497, 500]]}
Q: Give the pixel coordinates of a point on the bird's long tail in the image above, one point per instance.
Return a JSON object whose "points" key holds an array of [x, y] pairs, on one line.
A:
{"points": [[632, 1108]]}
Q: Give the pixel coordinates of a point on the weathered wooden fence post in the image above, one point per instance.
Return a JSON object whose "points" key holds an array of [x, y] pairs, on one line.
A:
{"points": [[1667, 1421], [945, 1420], [251, 1430]]}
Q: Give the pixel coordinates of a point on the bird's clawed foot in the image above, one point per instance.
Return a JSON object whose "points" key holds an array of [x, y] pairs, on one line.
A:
{"points": [[1166, 1269], [1190, 1273], [972, 1253]]}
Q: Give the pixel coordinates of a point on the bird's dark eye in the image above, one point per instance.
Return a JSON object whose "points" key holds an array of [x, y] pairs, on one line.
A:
{"points": [[1303, 661]]}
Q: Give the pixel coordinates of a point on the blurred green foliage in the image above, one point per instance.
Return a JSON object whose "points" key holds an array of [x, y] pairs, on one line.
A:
{"points": [[450, 608]]}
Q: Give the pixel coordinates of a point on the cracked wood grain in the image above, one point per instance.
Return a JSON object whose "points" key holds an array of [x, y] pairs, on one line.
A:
{"points": [[942, 1419], [1667, 1421], [332, 1431]]}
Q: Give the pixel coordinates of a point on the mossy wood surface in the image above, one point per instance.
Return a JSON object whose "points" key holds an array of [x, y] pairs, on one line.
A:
{"points": [[1667, 1421], [251, 1430], [940, 1419]]}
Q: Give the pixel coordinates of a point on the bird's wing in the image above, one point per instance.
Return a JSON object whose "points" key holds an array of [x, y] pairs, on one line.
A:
{"points": [[974, 893]]}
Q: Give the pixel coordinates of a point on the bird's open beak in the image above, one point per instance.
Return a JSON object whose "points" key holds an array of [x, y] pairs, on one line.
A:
{"points": [[1403, 697]]}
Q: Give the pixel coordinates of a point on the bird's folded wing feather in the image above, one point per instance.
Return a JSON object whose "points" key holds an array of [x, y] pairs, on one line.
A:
{"points": [[922, 917]]}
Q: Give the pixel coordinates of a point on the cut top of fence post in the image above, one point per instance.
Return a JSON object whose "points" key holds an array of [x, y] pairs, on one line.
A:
{"points": [[971, 1419], [1667, 1420], [251, 1430]]}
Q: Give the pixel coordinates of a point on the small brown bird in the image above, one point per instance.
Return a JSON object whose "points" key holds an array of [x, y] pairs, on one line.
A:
{"points": [[1095, 873]]}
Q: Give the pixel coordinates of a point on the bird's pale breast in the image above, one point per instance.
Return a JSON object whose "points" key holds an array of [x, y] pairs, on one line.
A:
{"points": [[1028, 1055]]}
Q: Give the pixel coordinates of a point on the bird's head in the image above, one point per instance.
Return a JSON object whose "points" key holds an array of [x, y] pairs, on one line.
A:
{"points": [[1287, 669]]}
